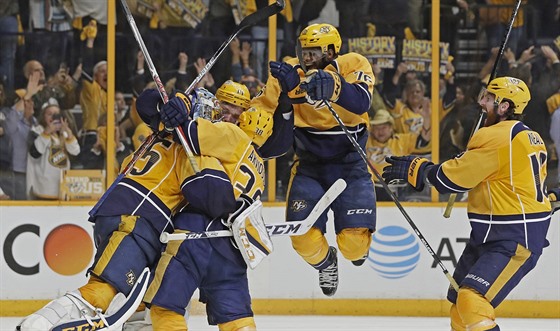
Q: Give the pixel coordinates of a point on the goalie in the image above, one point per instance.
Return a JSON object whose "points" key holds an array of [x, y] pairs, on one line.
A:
{"points": [[214, 266]]}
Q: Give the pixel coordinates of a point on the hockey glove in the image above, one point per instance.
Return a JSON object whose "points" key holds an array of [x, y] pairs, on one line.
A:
{"points": [[176, 111], [323, 85], [409, 168], [286, 74], [554, 197]]}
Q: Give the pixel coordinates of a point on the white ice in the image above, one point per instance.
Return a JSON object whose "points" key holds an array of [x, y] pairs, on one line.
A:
{"points": [[352, 323]]}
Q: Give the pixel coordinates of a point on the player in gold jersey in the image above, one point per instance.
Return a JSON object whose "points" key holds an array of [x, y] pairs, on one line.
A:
{"points": [[214, 266], [128, 225], [323, 152], [504, 170]]}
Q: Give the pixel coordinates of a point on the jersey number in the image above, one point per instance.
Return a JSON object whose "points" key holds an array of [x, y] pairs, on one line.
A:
{"points": [[538, 162], [151, 157], [248, 187]]}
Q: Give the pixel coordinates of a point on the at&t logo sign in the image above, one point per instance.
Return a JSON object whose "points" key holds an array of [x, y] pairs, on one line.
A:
{"points": [[394, 252]]}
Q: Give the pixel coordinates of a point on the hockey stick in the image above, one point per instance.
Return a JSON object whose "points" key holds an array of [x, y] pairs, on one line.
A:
{"points": [[147, 144], [360, 151], [295, 228], [157, 80], [483, 114], [248, 21]]}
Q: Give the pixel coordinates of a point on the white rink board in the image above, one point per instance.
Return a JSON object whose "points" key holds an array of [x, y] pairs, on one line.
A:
{"points": [[284, 274]]}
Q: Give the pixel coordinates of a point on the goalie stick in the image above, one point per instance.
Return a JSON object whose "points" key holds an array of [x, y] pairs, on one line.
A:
{"points": [[363, 155], [483, 114], [150, 140], [295, 228]]}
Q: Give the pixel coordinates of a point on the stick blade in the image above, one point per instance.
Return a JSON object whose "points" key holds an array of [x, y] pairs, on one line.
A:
{"points": [[261, 14]]}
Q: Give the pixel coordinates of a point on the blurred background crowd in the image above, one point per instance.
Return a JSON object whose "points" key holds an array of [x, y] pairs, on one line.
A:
{"points": [[53, 75]]}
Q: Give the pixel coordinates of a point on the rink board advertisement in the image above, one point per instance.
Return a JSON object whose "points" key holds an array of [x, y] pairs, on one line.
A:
{"points": [[46, 251]]}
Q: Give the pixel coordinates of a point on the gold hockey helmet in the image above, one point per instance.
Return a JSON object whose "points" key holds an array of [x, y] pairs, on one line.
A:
{"points": [[234, 93], [257, 124], [512, 89], [320, 35]]}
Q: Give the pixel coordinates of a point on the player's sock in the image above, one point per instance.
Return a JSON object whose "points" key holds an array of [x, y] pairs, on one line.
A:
{"points": [[328, 277]]}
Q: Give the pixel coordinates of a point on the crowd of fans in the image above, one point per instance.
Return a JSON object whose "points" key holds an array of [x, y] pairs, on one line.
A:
{"points": [[53, 71]]}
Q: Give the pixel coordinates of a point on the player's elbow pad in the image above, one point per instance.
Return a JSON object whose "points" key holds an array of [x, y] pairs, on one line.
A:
{"points": [[210, 192]]}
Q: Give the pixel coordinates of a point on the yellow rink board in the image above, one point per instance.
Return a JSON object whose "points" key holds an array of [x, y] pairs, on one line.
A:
{"points": [[347, 307]]}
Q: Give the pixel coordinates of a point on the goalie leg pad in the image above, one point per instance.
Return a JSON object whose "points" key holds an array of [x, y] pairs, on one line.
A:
{"points": [[134, 246], [354, 243], [475, 311], [312, 246]]}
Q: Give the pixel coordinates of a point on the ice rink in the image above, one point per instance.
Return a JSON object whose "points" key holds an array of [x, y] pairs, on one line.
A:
{"points": [[352, 323]]}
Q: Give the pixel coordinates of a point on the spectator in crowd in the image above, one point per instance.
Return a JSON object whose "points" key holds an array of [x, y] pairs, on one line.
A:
{"points": [[352, 17], [9, 11], [553, 105], [51, 40], [6, 174], [19, 120], [384, 142], [496, 20], [50, 144], [99, 148], [93, 100], [240, 59]]}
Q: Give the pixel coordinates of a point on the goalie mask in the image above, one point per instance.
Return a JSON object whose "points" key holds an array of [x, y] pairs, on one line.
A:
{"points": [[205, 105], [257, 124], [320, 35], [509, 88]]}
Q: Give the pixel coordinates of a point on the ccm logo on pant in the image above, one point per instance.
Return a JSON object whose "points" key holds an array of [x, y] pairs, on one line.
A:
{"points": [[359, 211]]}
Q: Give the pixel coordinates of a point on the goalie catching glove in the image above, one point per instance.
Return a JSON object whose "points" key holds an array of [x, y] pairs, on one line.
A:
{"points": [[176, 111], [323, 85], [410, 168]]}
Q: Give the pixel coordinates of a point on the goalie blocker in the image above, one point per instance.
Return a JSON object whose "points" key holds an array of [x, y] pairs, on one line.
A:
{"points": [[252, 235]]}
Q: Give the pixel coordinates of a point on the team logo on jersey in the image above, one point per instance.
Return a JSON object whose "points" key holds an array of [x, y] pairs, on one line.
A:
{"points": [[298, 205], [130, 278], [58, 157]]}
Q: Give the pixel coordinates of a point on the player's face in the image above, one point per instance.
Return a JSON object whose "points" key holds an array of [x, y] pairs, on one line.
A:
{"points": [[230, 112], [382, 132], [313, 58], [486, 101]]}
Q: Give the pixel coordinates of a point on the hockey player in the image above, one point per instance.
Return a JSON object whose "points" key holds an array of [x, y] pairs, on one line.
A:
{"points": [[214, 266], [234, 100], [504, 170], [128, 225], [323, 152]]}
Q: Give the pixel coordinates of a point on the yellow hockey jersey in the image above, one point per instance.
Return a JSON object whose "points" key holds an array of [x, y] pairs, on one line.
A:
{"points": [[163, 178], [316, 130], [504, 170], [229, 144]]}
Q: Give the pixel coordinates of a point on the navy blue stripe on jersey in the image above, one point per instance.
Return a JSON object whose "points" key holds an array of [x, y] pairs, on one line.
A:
{"points": [[131, 198], [329, 144], [354, 97], [209, 192], [518, 128], [529, 230], [441, 182], [190, 128]]}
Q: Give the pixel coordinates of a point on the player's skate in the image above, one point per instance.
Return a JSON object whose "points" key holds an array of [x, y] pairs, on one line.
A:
{"points": [[361, 261], [328, 277], [70, 306]]}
